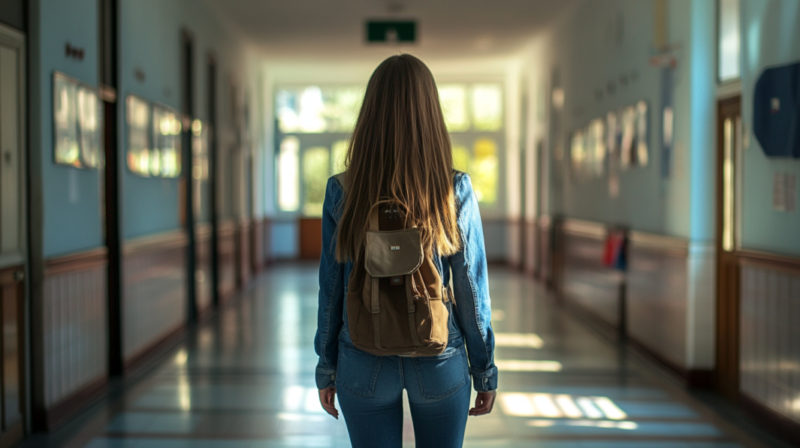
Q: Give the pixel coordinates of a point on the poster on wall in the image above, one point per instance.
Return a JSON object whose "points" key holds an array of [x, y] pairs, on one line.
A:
{"points": [[166, 152], [138, 120], [587, 151], [612, 147], [77, 123], [199, 163]]}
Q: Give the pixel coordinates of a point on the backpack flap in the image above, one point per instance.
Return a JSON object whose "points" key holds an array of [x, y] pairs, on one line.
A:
{"points": [[393, 253]]}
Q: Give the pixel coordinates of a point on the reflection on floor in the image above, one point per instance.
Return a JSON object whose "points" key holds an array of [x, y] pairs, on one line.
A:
{"points": [[245, 380]]}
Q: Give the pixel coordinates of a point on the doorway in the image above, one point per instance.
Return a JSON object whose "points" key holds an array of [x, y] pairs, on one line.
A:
{"points": [[13, 225], [729, 146]]}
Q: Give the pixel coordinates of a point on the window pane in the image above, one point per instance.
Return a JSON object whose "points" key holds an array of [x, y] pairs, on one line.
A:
{"points": [[316, 170], [315, 109], [484, 170], [339, 156], [288, 175], [728, 40], [453, 98], [340, 108], [461, 158], [487, 107], [287, 110]]}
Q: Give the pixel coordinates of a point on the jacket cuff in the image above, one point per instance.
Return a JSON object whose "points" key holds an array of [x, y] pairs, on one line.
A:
{"points": [[325, 378], [484, 381]]}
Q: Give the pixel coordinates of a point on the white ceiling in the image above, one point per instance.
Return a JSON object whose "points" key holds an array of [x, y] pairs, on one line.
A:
{"points": [[331, 30]]}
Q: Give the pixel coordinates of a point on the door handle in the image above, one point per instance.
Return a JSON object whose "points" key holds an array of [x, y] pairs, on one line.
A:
{"points": [[19, 275]]}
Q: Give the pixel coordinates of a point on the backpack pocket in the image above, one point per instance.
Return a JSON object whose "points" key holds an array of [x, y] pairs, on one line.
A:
{"points": [[357, 371], [443, 375], [393, 253]]}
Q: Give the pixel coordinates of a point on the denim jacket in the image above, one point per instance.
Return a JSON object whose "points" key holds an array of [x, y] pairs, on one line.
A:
{"points": [[470, 318]]}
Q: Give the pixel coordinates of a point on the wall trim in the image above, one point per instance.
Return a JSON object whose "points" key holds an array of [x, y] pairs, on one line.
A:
{"points": [[152, 352], [662, 244], [591, 229], [161, 241], [74, 262], [773, 261], [202, 230]]}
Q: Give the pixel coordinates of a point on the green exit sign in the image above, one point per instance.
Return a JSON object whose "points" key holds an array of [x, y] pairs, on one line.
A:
{"points": [[392, 31]]}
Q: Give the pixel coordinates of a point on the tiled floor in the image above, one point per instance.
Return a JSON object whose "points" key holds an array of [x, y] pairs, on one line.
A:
{"points": [[245, 380]]}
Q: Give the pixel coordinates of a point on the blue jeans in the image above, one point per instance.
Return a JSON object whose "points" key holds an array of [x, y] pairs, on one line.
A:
{"points": [[370, 391]]}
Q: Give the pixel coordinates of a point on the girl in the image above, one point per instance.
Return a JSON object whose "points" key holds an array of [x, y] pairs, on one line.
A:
{"points": [[401, 150]]}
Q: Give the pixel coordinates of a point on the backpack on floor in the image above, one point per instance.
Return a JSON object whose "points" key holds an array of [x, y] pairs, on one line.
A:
{"points": [[395, 296]]}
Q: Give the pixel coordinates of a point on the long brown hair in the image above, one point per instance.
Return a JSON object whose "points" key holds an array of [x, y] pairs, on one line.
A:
{"points": [[400, 150]]}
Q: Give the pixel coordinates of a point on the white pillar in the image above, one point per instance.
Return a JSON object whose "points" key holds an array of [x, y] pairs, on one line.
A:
{"points": [[701, 294]]}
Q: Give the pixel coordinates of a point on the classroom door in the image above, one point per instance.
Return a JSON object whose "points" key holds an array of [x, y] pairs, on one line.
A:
{"points": [[12, 235], [729, 131]]}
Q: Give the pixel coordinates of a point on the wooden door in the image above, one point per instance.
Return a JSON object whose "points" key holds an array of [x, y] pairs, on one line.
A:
{"points": [[12, 235], [729, 129]]}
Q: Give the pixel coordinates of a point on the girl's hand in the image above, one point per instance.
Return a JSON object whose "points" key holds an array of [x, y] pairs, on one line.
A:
{"points": [[483, 403], [327, 397]]}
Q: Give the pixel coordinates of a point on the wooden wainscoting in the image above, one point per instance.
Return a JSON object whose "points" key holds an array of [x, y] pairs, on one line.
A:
{"points": [[769, 331], [12, 294], [75, 335], [257, 245], [586, 282], [531, 246], [656, 295], [154, 294], [243, 246], [267, 241], [226, 240], [310, 236], [203, 275], [543, 261]]}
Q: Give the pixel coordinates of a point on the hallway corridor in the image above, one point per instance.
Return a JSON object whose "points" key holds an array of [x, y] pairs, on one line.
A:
{"points": [[245, 380]]}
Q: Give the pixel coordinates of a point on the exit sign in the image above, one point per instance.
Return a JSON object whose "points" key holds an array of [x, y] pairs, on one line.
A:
{"points": [[392, 31]]}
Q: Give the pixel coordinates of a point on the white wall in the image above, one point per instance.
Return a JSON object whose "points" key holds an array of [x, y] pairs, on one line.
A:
{"points": [[589, 57]]}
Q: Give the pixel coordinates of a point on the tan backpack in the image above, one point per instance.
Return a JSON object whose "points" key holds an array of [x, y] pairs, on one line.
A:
{"points": [[395, 297]]}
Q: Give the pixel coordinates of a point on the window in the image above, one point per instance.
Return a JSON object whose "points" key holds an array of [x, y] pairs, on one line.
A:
{"points": [[315, 123], [474, 117], [316, 170], [728, 40], [315, 109]]}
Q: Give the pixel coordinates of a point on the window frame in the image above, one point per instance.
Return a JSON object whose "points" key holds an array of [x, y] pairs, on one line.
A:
{"points": [[718, 45]]}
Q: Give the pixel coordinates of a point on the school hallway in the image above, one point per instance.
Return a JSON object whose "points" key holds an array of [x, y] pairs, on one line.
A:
{"points": [[245, 379]]}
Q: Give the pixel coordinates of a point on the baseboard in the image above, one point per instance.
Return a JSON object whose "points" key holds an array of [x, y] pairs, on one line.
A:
{"points": [[153, 351], [67, 408], [12, 435], [773, 422]]}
